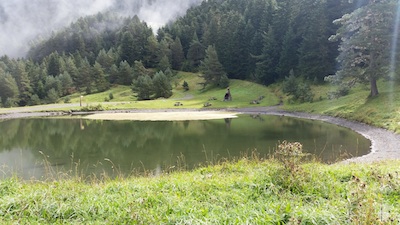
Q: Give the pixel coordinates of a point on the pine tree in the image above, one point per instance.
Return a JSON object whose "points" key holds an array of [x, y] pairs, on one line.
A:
{"points": [[366, 38], [127, 49], [161, 85], [66, 84], [143, 87], [24, 84], [125, 74], [8, 88], [178, 56], [139, 70], [212, 70], [99, 77], [195, 54], [268, 60]]}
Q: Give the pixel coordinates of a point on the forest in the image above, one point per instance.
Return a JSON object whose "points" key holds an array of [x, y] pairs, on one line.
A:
{"points": [[263, 41]]}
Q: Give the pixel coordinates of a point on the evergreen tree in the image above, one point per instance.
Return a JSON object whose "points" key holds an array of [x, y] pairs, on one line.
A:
{"points": [[125, 73], [114, 74], [161, 86], [53, 65], [52, 96], [164, 63], [212, 70], [23, 83], [85, 78], [150, 59], [195, 54], [288, 58], [106, 59], [268, 60], [143, 87], [127, 50], [66, 84], [314, 59], [8, 88], [100, 80], [72, 70], [139, 70], [366, 38], [178, 56]]}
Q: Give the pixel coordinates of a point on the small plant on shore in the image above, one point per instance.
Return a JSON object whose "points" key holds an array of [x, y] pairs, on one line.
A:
{"points": [[91, 108], [290, 154], [291, 176]]}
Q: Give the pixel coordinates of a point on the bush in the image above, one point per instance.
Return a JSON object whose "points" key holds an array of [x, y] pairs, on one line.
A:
{"points": [[340, 92], [298, 89], [111, 96], [67, 99], [185, 85], [91, 108]]}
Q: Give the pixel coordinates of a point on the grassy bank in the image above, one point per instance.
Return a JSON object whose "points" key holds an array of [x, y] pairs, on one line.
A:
{"points": [[380, 111], [243, 192], [243, 93]]}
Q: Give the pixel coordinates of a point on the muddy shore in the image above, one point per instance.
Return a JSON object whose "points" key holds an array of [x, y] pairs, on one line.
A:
{"points": [[385, 145]]}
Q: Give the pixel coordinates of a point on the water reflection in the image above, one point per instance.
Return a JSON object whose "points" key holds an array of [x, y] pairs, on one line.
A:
{"points": [[106, 146]]}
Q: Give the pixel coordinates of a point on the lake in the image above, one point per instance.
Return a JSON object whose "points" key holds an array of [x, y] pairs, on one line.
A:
{"points": [[36, 148]]}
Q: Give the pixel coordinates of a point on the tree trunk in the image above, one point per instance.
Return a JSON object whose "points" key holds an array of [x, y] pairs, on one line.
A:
{"points": [[374, 87]]}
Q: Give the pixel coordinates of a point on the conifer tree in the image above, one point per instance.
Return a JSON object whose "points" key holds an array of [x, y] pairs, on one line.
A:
{"points": [[366, 37], [212, 70], [143, 87], [177, 53], [161, 85]]}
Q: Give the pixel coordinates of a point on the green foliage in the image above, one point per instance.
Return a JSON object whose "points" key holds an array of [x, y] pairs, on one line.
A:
{"points": [[52, 96], [299, 90], [67, 99], [212, 71], [185, 85], [143, 87], [366, 37], [162, 86], [92, 108], [8, 88]]}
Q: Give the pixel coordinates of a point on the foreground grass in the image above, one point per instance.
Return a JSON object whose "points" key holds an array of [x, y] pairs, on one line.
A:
{"points": [[243, 192]]}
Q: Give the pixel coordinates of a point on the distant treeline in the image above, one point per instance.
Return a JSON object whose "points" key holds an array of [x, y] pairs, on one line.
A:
{"points": [[259, 40]]}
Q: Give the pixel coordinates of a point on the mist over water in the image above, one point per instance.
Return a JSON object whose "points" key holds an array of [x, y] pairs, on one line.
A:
{"points": [[22, 21]]}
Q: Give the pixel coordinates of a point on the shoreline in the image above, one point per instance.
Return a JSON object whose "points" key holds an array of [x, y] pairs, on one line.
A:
{"points": [[384, 143]]}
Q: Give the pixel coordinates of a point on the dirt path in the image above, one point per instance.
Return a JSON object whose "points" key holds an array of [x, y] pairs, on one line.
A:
{"points": [[385, 144]]}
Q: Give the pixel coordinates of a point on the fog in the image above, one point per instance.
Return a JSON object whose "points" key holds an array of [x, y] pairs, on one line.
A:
{"points": [[22, 21]]}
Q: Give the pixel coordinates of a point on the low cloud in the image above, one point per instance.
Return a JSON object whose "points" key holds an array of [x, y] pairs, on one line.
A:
{"points": [[22, 21]]}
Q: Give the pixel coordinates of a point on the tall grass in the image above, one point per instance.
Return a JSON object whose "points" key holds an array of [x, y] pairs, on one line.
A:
{"points": [[249, 190]]}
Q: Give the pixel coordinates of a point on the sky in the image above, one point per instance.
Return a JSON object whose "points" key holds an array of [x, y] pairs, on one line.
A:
{"points": [[22, 21]]}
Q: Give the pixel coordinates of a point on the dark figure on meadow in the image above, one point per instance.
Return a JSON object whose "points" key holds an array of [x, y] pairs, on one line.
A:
{"points": [[228, 96]]}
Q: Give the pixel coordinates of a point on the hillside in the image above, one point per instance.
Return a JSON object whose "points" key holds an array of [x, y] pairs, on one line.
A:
{"points": [[257, 40]]}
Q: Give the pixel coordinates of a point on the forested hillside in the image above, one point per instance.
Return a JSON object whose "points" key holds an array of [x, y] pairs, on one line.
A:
{"points": [[259, 40]]}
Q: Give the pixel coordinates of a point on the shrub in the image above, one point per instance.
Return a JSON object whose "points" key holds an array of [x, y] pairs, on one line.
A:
{"points": [[299, 90], [67, 99], [91, 108], [185, 85]]}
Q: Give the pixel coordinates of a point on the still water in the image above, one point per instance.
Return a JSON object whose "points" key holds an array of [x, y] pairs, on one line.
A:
{"points": [[33, 148]]}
